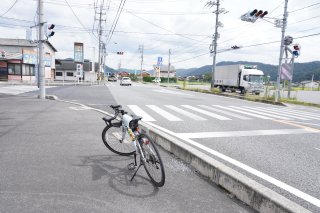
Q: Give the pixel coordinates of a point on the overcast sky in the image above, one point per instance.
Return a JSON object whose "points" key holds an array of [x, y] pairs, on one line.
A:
{"points": [[184, 26]]}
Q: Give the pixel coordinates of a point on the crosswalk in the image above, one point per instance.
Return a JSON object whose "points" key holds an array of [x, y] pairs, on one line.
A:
{"points": [[184, 112]]}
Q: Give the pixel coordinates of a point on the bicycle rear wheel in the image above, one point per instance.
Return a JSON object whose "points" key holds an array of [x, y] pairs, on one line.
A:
{"points": [[111, 137], [153, 164]]}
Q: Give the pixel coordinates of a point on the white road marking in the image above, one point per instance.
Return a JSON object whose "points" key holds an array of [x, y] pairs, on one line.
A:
{"points": [[299, 113], [259, 174], [186, 113], [245, 133], [317, 148], [207, 113], [164, 113], [80, 108], [305, 123], [138, 111], [277, 113], [225, 112], [261, 113], [171, 92], [247, 168], [242, 112]]}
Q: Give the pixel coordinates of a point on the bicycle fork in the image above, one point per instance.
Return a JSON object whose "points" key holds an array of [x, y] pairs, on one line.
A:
{"points": [[142, 159]]}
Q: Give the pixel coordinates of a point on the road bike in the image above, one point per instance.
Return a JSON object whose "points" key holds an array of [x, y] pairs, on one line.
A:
{"points": [[125, 138]]}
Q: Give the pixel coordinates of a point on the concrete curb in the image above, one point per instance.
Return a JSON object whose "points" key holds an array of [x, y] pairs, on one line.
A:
{"points": [[245, 189]]}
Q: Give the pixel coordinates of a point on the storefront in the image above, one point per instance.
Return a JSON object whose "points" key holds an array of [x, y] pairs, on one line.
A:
{"points": [[18, 61]]}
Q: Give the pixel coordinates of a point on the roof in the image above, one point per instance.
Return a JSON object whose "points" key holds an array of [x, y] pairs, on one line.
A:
{"points": [[22, 43], [71, 65]]}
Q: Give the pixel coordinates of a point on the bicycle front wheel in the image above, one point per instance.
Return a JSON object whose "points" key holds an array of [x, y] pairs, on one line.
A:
{"points": [[112, 139], [153, 163]]}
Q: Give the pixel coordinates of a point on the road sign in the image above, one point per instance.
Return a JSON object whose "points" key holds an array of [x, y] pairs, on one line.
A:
{"points": [[159, 61], [286, 71]]}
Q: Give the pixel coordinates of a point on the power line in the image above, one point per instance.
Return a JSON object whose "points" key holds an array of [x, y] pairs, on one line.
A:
{"points": [[14, 3], [304, 8], [91, 34]]}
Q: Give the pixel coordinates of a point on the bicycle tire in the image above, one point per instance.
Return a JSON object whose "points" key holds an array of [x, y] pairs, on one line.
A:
{"points": [[111, 137], [153, 164]]}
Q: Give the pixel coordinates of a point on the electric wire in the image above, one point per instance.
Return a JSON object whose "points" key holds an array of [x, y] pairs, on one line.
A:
{"points": [[14, 3]]}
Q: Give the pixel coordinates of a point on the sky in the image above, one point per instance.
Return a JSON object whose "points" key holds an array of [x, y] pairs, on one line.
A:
{"points": [[183, 26]]}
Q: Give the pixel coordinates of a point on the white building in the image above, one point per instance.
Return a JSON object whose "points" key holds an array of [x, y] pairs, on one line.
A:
{"points": [[164, 71]]}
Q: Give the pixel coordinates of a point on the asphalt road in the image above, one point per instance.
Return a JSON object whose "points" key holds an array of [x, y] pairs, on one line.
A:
{"points": [[277, 146], [52, 159]]}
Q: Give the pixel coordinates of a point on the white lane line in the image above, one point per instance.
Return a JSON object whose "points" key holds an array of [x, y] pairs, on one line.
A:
{"points": [[242, 112], [299, 113], [139, 112], [317, 148], [262, 113], [259, 174], [245, 133], [297, 122], [225, 112], [219, 117], [164, 113], [186, 113], [277, 113]]}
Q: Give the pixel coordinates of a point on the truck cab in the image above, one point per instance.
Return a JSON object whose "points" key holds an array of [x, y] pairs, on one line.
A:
{"points": [[251, 80]]}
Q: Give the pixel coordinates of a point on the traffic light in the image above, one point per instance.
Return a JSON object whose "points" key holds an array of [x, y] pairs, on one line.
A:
{"points": [[288, 40], [49, 30], [296, 51], [119, 53], [253, 15], [253, 12]]}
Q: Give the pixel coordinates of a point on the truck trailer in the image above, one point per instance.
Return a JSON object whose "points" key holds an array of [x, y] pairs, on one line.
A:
{"points": [[245, 78]]}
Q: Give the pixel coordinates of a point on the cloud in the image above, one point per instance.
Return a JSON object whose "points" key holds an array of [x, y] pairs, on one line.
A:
{"points": [[184, 26]]}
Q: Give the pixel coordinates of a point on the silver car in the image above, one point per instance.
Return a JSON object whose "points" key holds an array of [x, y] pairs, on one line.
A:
{"points": [[125, 81]]}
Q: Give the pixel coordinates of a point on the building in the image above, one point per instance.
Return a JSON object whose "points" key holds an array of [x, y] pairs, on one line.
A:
{"points": [[18, 60], [164, 71], [66, 70], [310, 84]]}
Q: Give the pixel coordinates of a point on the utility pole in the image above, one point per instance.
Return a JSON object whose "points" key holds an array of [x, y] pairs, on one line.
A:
{"points": [[41, 67], [141, 51], [283, 29], [169, 66], [101, 44], [214, 45]]}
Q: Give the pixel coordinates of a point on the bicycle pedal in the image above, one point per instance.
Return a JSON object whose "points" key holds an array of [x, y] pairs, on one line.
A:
{"points": [[131, 166]]}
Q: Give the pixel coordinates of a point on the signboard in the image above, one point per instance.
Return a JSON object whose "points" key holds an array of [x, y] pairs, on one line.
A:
{"points": [[159, 61], [47, 60], [286, 71], [78, 52], [80, 70], [29, 56]]}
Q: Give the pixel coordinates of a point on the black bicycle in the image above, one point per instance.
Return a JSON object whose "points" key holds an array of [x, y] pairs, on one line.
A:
{"points": [[124, 137]]}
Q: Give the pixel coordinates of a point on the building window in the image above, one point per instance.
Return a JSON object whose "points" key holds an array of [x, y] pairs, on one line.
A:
{"points": [[70, 74], [28, 70], [14, 69], [58, 73]]}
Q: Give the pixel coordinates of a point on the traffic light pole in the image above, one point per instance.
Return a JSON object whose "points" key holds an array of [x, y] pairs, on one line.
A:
{"points": [[284, 25], [41, 67]]}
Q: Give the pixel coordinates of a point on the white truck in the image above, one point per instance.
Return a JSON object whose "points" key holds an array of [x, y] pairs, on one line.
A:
{"points": [[246, 78]]}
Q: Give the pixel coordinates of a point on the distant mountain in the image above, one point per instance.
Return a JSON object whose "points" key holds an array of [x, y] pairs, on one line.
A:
{"points": [[302, 71]]}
